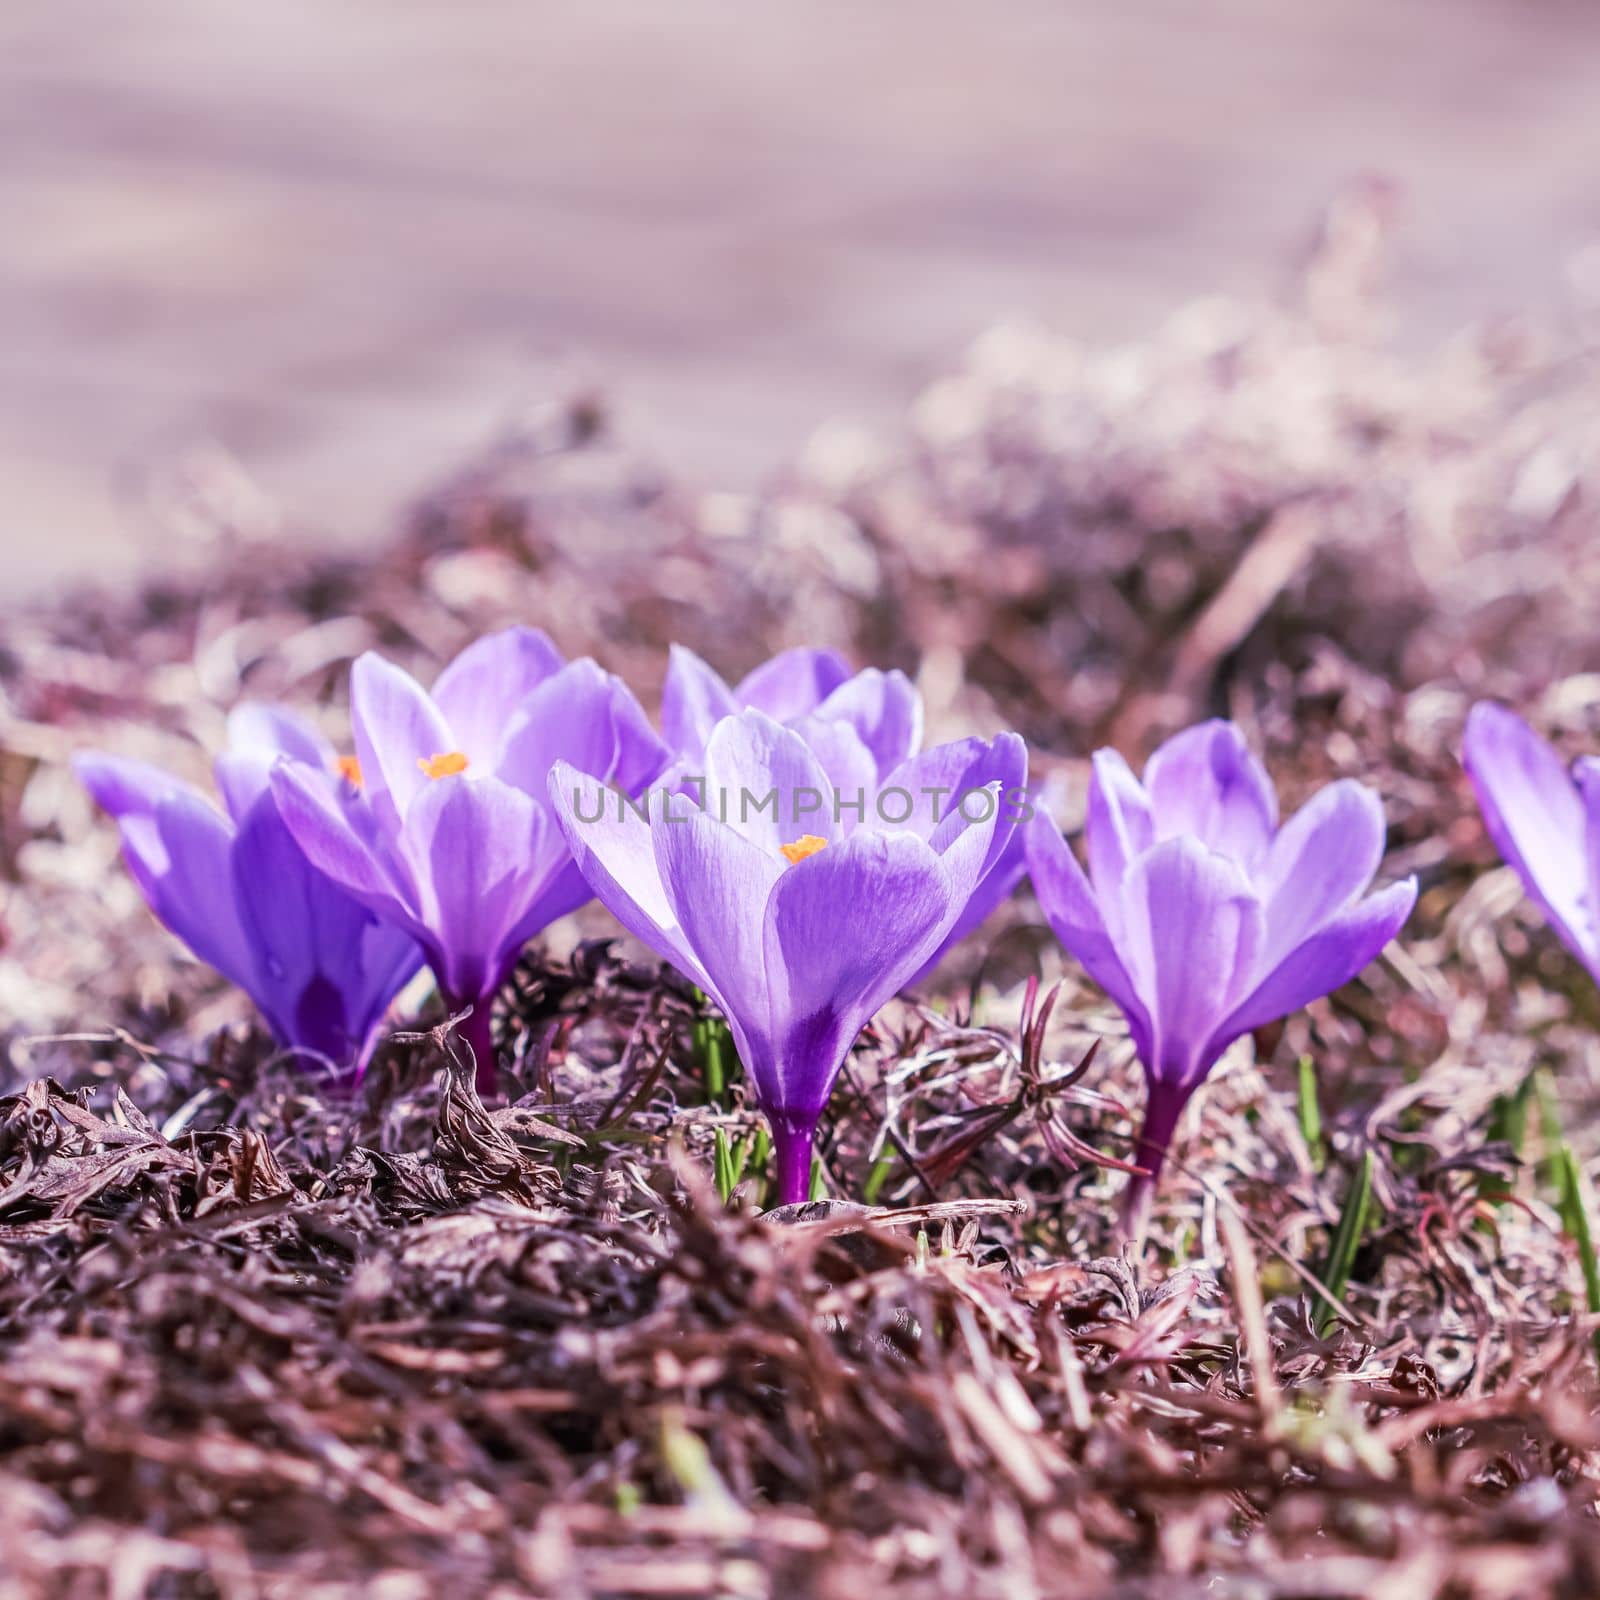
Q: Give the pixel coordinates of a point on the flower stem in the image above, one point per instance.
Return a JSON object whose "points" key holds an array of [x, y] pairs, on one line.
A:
{"points": [[344, 1087], [477, 1030], [791, 1151], [1161, 1114]]}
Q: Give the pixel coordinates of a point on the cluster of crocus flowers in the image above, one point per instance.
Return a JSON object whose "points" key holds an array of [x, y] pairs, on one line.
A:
{"points": [[788, 843], [1202, 917], [238, 890], [799, 890]]}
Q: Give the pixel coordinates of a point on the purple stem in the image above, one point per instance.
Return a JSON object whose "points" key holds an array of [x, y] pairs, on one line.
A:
{"points": [[1161, 1114], [791, 1152], [344, 1088], [477, 1029]]}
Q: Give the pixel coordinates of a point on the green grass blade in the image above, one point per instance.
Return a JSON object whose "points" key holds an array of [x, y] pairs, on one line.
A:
{"points": [[1574, 1198], [713, 1049], [741, 1159], [1311, 1114], [1553, 1136], [722, 1166], [759, 1161], [1346, 1241], [881, 1168], [1509, 1121]]}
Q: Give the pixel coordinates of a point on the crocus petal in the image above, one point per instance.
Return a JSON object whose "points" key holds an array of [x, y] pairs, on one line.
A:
{"points": [[613, 848], [1330, 958], [158, 815], [1119, 828], [937, 779], [1205, 782], [1192, 927], [306, 935], [396, 727], [563, 893], [241, 780], [270, 731], [849, 771], [1070, 907], [999, 770], [922, 791], [478, 855], [845, 930], [1324, 856], [123, 787], [967, 844], [793, 682], [189, 884], [247, 901], [1536, 819], [718, 883], [392, 958], [481, 691], [762, 779], [275, 886], [694, 699], [567, 718], [884, 708], [325, 831], [642, 756], [257, 736], [1586, 773], [994, 889]]}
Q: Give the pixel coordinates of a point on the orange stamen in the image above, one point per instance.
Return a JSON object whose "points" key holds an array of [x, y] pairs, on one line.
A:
{"points": [[808, 845], [349, 768], [444, 765]]}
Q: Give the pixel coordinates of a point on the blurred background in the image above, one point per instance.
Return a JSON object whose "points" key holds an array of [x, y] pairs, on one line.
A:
{"points": [[342, 243]]}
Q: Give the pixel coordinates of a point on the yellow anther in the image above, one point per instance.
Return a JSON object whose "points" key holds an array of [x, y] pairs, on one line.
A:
{"points": [[349, 768], [444, 765], [807, 845]]}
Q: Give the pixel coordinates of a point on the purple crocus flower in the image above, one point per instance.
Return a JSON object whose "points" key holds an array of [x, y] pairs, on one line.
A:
{"points": [[235, 887], [1544, 822], [695, 697], [1201, 917], [862, 726], [799, 917], [457, 844]]}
